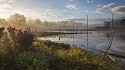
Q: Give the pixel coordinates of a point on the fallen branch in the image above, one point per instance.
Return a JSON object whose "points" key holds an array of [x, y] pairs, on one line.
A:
{"points": [[112, 54]]}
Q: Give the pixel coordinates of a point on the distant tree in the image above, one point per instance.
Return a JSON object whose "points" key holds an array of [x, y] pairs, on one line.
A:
{"points": [[17, 19], [30, 23], [3, 22], [45, 24], [37, 21]]}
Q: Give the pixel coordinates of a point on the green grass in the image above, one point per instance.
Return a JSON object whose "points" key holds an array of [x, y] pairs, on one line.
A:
{"points": [[59, 56], [49, 55]]}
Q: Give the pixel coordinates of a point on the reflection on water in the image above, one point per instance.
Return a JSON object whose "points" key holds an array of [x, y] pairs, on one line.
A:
{"points": [[97, 41]]}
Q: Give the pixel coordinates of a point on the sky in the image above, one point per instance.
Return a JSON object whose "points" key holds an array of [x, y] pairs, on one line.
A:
{"points": [[56, 10]]}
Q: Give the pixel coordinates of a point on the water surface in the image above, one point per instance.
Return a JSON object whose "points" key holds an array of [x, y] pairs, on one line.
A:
{"points": [[96, 41]]}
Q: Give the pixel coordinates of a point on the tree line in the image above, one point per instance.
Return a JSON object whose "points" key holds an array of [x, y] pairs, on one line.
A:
{"points": [[20, 21]]}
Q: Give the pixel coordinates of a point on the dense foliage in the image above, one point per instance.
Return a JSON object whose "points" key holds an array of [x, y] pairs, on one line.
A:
{"points": [[20, 51]]}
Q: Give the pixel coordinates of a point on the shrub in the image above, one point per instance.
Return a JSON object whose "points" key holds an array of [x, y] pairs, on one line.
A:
{"points": [[6, 45], [35, 61], [2, 31], [12, 43], [22, 39], [7, 62]]}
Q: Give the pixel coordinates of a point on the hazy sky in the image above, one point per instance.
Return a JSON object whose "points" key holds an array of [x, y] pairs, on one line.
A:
{"points": [[63, 9]]}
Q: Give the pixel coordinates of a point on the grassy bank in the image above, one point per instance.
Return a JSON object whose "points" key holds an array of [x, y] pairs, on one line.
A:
{"points": [[45, 54], [43, 34], [66, 57], [19, 50]]}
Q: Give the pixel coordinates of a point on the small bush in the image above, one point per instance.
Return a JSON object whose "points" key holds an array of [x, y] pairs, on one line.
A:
{"points": [[12, 43], [22, 39], [35, 61]]}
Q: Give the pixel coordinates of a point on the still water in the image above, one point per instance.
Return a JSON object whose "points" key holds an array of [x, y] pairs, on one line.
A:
{"points": [[96, 41]]}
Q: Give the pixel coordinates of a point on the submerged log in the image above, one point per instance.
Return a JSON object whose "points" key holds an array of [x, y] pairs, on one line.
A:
{"points": [[112, 54], [74, 33]]}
